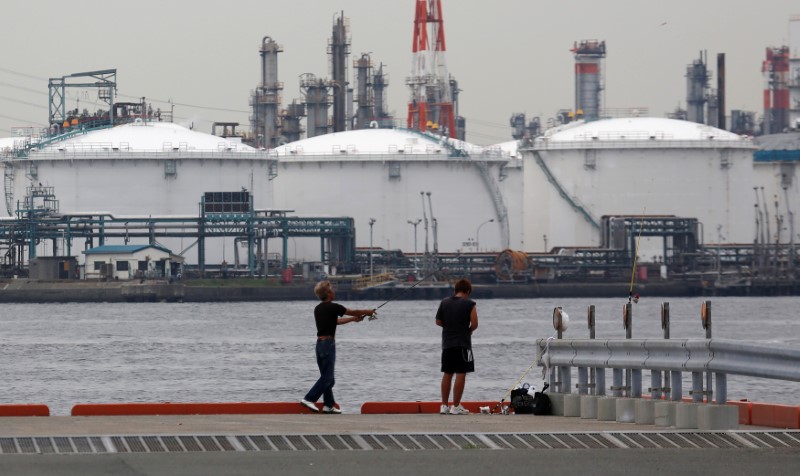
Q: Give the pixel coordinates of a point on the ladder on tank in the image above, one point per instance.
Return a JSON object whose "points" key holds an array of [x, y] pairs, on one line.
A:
{"points": [[573, 202], [8, 183], [497, 201]]}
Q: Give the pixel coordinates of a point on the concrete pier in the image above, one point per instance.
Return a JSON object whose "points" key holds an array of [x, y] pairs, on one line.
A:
{"points": [[397, 444]]}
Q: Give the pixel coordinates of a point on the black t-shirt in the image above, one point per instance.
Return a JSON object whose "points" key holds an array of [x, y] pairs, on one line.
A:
{"points": [[454, 312], [326, 315]]}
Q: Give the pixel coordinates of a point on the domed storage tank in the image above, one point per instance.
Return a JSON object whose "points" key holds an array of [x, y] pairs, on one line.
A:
{"points": [[380, 174], [575, 174], [143, 168]]}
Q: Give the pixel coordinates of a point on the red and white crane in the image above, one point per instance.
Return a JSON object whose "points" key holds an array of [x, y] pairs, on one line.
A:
{"points": [[430, 107]]}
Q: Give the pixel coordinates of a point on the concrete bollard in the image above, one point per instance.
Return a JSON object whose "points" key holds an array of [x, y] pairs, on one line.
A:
{"points": [[589, 406], [718, 417], [572, 405], [557, 403], [626, 410], [645, 412], [686, 415], [664, 413], [607, 408]]}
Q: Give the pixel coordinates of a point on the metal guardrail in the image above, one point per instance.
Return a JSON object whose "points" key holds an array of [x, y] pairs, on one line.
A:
{"points": [[69, 155], [715, 358], [719, 356], [638, 143]]}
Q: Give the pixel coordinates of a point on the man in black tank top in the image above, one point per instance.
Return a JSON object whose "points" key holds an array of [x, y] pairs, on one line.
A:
{"points": [[328, 315], [458, 318]]}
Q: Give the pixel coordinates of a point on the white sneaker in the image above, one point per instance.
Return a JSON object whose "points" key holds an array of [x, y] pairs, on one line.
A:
{"points": [[310, 405], [458, 410], [444, 410], [333, 410]]}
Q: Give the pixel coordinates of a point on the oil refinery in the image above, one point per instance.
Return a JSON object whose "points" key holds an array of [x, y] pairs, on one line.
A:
{"points": [[331, 181]]}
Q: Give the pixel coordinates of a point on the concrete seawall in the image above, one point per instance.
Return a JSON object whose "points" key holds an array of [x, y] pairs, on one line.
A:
{"points": [[20, 290]]}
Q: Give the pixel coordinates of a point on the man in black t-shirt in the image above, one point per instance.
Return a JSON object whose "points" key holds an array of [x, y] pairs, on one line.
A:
{"points": [[327, 316], [458, 318]]}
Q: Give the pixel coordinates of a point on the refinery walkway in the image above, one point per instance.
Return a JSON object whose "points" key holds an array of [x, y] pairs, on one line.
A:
{"points": [[356, 444]]}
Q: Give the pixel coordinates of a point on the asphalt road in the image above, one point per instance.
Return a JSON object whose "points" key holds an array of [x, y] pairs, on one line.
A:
{"points": [[440, 463]]}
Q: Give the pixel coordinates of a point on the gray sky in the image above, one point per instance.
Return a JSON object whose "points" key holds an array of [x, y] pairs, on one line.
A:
{"points": [[508, 55]]}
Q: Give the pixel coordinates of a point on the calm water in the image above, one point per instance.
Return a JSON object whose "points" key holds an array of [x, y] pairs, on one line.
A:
{"points": [[63, 354]]}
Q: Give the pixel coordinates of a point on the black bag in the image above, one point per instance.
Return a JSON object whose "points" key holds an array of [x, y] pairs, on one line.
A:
{"points": [[521, 401], [541, 404]]}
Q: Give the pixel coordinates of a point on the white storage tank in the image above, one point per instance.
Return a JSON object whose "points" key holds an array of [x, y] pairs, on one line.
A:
{"points": [[579, 172], [380, 174], [142, 168], [778, 185]]}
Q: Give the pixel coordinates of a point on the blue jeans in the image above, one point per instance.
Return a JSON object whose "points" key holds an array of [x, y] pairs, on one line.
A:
{"points": [[326, 361]]}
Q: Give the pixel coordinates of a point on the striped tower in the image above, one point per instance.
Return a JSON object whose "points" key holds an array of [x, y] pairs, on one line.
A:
{"points": [[794, 72], [589, 55], [776, 90], [431, 104]]}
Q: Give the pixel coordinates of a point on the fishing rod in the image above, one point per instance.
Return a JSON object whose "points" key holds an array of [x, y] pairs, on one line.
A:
{"points": [[545, 359], [502, 400], [397, 295], [635, 256]]}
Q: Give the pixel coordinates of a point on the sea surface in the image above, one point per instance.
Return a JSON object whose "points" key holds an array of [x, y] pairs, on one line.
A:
{"points": [[64, 354]]}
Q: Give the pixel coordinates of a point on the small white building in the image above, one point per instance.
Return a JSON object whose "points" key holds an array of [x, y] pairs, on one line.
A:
{"points": [[130, 262]]}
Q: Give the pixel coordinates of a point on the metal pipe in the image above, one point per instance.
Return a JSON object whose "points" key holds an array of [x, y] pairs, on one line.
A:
{"points": [[721, 395], [593, 370], [600, 381], [707, 326], [583, 380], [665, 327], [655, 385], [628, 320], [697, 387], [616, 389], [566, 379], [676, 387]]}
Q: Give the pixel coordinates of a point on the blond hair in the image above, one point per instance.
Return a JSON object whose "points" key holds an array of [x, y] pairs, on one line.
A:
{"points": [[323, 290]]}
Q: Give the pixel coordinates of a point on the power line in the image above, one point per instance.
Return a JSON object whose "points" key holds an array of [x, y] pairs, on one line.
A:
{"points": [[195, 106], [35, 91], [19, 101], [9, 71]]}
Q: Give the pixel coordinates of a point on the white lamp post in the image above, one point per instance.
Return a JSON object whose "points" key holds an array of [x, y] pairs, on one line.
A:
{"points": [[415, 223], [371, 222], [478, 233]]}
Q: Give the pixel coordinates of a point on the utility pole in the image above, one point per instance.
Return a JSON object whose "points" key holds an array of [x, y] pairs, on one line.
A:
{"points": [[426, 256], [371, 222], [415, 223]]}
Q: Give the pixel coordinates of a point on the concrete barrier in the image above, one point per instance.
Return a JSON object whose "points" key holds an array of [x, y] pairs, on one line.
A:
{"points": [[12, 410], [664, 413], [745, 407], [607, 409], [399, 408], [686, 415], [557, 403], [572, 405], [717, 417], [626, 410], [645, 412], [243, 408], [775, 416], [589, 406]]}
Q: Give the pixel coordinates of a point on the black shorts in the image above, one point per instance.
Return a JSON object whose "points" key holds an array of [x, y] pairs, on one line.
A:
{"points": [[457, 360]]}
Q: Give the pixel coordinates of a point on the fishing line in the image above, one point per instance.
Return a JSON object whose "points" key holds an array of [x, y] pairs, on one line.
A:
{"points": [[524, 374], [397, 295]]}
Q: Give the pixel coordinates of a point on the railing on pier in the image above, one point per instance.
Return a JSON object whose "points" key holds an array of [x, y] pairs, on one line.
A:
{"points": [[717, 357]]}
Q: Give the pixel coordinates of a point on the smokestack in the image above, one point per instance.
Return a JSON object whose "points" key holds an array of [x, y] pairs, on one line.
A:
{"points": [[721, 91]]}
